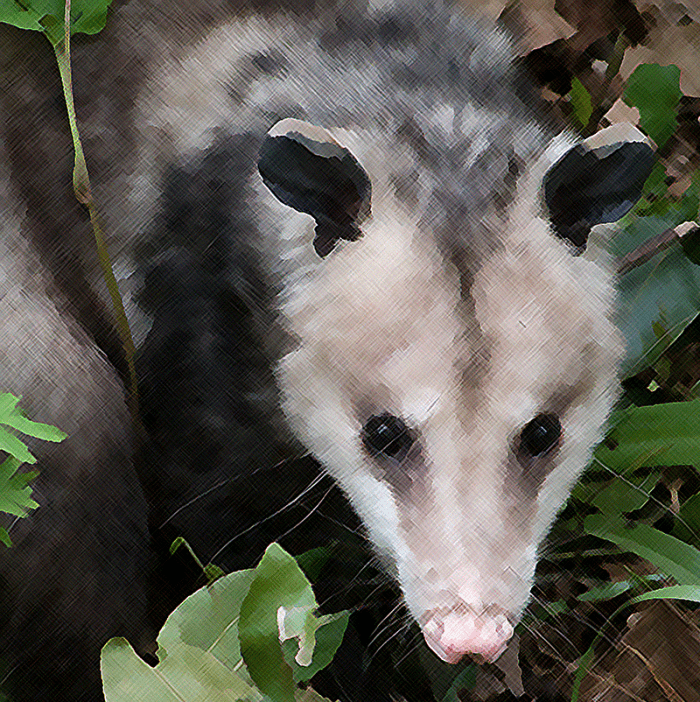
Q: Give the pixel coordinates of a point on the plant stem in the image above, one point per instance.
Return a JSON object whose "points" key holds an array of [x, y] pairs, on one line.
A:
{"points": [[83, 193]]}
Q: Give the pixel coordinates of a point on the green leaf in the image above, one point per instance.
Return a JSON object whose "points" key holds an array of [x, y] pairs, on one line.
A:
{"points": [[670, 555], [690, 201], [12, 416], [87, 16], [687, 527], [313, 561], [279, 586], [656, 182], [655, 91], [15, 493], [5, 537], [654, 200], [186, 675], [465, 681], [328, 632], [657, 435], [45, 432], [690, 593], [208, 620], [664, 290], [16, 448], [203, 632], [580, 100], [626, 494], [606, 592]]}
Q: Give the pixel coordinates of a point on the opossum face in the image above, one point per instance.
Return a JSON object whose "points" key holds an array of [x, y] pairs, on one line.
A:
{"points": [[456, 415]]}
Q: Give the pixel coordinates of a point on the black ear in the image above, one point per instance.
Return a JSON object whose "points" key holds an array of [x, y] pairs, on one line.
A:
{"points": [[308, 170], [597, 181]]}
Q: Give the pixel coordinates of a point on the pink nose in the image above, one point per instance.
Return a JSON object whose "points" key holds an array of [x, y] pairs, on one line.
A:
{"points": [[454, 634]]}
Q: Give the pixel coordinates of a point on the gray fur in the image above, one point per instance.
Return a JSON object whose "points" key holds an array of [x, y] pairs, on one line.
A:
{"points": [[244, 323]]}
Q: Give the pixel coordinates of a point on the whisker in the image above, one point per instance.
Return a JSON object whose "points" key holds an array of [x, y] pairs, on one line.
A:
{"points": [[289, 504], [224, 483], [385, 623], [309, 514]]}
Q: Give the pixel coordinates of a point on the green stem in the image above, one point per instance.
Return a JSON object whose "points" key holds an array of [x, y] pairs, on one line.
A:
{"points": [[83, 193]]}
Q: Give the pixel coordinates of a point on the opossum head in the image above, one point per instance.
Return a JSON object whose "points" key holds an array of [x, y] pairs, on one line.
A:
{"points": [[455, 397]]}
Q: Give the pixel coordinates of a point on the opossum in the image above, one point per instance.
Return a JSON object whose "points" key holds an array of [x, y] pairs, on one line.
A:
{"points": [[451, 355], [354, 232]]}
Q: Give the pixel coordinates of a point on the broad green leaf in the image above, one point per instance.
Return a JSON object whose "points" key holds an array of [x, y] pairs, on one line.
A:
{"points": [[87, 16], [186, 675], [279, 583], [580, 100], [626, 494], [208, 620], [313, 561], [655, 91], [664, 291], [670, 555], [328, 632], [657, 435]]}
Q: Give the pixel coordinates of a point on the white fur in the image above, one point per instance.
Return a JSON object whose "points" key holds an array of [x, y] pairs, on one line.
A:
{"points": [[380, 323]]}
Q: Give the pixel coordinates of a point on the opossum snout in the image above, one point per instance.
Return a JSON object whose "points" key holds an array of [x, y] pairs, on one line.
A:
{"points": [[461, 631]]}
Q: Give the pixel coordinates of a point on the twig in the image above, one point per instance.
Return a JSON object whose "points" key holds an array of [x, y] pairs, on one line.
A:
{"points": [[655, 245]]}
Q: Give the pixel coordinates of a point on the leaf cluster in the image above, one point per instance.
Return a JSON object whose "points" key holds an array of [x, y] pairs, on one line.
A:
{"points": [[15, 492], [250, 636]]}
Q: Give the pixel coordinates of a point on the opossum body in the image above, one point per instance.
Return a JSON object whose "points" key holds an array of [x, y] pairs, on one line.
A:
{"points": [[450, 357], [352, 231]]}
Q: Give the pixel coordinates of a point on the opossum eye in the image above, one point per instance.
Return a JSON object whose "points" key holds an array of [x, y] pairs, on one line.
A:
{"points": [[387, 435], [540, 434]]}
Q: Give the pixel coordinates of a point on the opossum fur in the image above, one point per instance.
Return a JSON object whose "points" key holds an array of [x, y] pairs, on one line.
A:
{"points": [[333, 228]]}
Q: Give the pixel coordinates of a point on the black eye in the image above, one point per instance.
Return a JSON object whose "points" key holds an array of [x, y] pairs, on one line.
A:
{"points": [[387, 435], [540, 435]]}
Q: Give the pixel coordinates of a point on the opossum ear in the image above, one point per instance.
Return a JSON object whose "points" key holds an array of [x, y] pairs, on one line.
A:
{"points": [[308, 170], [598, 180]]}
